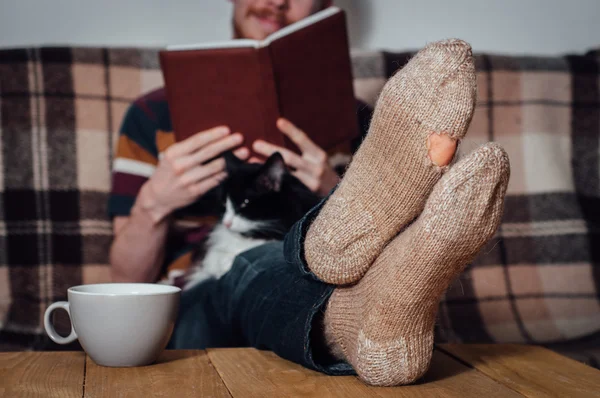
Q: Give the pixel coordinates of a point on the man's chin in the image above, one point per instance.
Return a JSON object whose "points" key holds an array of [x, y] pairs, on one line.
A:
{"points": [[255, 28], [255, 33], [266, 26]]}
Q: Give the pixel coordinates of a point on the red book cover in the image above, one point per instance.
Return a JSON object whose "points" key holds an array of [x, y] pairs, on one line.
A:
{"points": [[301, 72]]}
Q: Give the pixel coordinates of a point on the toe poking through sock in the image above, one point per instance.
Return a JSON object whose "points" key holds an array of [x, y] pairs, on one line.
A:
{"points": [[441, 149]]}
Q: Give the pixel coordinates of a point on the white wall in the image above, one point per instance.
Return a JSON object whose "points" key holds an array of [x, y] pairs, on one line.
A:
{"points": [[509, 26]]}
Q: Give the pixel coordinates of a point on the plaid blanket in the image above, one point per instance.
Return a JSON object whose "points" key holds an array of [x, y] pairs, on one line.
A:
{"points": [[60, 109], [538, 281]]}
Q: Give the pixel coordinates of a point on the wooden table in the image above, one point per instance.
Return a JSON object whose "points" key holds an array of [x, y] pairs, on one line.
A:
{"points": [[456, 371]]}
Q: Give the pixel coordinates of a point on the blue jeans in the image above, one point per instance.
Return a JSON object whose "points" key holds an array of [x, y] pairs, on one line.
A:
{"points": [[268, 300]]}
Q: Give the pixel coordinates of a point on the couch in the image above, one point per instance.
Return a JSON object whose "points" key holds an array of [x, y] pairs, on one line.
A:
{"points": [[538, 280]]}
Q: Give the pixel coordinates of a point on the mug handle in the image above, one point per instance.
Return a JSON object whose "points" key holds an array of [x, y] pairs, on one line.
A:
{"points": [[50, 328]]}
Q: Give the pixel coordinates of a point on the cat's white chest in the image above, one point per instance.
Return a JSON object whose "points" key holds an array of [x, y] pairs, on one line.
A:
{"points": [[223, 246]]}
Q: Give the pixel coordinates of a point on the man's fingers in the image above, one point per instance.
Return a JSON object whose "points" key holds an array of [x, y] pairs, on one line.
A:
{"points": [[242, 153], [297, 136], [206, 185], [199, 173], [210, 151], [289, 157], [197, 141], [307, 179], [218, 147]]}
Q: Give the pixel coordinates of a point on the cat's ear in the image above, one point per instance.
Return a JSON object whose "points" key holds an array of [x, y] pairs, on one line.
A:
{"points": [[271, 173], [232, 162]]}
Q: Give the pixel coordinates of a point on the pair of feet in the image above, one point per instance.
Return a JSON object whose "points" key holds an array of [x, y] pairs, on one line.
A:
{"points": [[403, 223]]}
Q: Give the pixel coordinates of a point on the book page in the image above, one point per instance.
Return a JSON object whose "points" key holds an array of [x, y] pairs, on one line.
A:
{"points": [[237, 43], [241, 43], [316, 17]]}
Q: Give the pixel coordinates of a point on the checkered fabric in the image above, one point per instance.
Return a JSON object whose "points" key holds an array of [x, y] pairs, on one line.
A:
{"points": [[538, 281], [60, 109]]}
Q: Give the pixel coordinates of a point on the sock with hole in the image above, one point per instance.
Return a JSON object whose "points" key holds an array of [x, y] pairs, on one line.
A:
{"points": [[391, 174], [384, 325]]}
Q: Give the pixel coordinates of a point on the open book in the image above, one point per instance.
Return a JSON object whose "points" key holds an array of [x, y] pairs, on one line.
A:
{"points": [[301, 72]]}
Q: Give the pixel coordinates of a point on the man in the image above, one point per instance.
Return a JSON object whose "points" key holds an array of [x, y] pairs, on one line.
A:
{"points": [[159, 207], [355, 285]]}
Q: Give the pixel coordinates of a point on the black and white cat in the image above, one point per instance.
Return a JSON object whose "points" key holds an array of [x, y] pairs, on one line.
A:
{"points": [[262, 202]]}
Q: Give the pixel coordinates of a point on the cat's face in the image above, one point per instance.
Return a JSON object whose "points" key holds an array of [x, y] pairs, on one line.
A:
{"points": [[264, 201]]}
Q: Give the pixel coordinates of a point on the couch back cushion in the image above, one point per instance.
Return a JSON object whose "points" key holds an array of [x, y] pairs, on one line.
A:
{"points": [[537, 280]]}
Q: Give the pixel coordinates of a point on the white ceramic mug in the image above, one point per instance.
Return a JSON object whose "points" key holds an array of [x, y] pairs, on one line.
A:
{"points": [[119, 324]]}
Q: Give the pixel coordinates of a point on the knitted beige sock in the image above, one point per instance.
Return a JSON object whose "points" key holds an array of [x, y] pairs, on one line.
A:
{"points": [[391, 175], [384, 324]]}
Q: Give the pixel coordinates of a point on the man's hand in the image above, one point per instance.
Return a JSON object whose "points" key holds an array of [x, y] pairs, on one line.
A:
{"points": [[311, 167], [181, 177]]}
